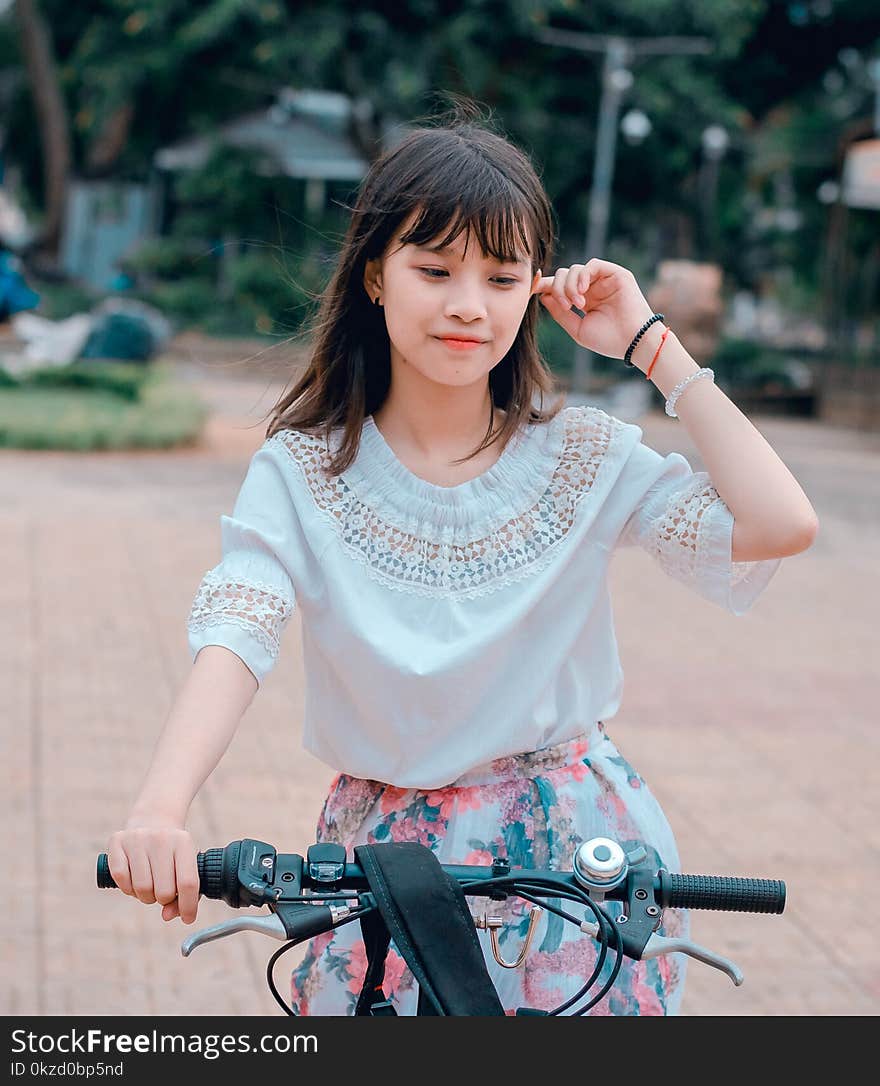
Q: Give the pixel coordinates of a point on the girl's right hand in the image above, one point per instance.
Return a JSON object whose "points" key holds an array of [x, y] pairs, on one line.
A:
{"points": [[154, 859]]}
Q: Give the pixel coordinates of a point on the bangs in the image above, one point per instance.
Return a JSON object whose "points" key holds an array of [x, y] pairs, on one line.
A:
{"points": [[497, 220], [424, 191]]}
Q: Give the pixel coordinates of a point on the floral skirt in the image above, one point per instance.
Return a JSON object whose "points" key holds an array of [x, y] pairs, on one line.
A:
{"points": [[534, 809]]}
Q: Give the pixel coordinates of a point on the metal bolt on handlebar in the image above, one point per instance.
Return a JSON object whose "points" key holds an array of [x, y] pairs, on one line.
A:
{"points": [[500, 867]]}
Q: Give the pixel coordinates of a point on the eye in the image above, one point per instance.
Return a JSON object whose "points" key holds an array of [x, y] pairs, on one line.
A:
{"points": [[502, 279]]}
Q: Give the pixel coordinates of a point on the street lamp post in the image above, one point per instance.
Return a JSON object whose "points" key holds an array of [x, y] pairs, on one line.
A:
{"points": [[715, 141], [616, 80]]}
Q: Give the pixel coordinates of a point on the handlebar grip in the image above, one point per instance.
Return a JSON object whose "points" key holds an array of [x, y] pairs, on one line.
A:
{"points": [[210, 863], [721, 892], [105, 879]]}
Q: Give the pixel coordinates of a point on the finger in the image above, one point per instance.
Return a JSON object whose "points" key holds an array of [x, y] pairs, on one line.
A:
{"points": [[186, 870], [547, 282], [162, 861], [117, 862], [573, 284], [562, 313], [170, 910], [559, 281], [600, 269], [141, 876]]}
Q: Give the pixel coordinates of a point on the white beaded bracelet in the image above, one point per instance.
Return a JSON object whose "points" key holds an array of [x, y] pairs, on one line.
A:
{"points": [[682, 385]]}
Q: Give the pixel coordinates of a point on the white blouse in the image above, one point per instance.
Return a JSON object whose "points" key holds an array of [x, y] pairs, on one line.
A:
{"points": [[444, 627]]}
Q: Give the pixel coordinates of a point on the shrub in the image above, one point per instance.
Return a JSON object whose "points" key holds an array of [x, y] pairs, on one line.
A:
{"points": [[124, 379], [749, 364], [170, 259], [46, 413]]}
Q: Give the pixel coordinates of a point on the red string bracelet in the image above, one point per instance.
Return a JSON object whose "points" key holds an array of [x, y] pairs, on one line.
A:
{"points": [[657, 355]]}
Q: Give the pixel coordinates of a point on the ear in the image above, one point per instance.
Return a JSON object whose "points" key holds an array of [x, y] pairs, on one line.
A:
{"points": [[535, 280], [373, 278]]}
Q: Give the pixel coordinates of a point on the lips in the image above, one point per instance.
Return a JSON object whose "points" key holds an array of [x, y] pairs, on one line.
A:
{"points": [[461, 344]]}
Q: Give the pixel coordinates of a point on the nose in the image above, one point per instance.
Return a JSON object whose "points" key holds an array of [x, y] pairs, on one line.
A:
{"points": [[466, 302]]}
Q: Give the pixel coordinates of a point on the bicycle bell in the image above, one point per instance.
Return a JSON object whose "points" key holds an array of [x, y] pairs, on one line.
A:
{"points": [[600, 864]]}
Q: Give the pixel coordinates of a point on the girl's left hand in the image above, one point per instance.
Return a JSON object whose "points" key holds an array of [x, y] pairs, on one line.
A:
{"points": [[613, 305]]}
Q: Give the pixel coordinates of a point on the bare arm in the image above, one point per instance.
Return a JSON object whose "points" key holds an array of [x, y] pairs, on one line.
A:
{"points": [[600, 305], [199, 729], [154, 857], [773, 518]]}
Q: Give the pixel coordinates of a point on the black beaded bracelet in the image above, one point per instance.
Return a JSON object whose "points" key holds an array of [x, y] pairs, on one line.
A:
{"points": [[638, 336]]}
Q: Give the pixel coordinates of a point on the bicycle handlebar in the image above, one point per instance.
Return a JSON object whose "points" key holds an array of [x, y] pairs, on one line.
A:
{"points": [[220, 878], [309, 896], [721, 892]]}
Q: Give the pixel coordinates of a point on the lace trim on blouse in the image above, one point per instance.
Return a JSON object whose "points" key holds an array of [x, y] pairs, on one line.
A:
{"points": [[482, 546], [679, 537], [259, 609]]}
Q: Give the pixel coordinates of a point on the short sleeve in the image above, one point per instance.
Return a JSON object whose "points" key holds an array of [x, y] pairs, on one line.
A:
{"points": [[244, 602], [685, 525]]}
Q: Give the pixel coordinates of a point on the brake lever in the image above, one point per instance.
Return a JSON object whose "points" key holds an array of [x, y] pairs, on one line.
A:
{"points": [[268, 925], [290, 920], [662, 944]]}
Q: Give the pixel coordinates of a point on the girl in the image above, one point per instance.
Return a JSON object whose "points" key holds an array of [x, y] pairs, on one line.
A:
{"points": [[447, 540]]}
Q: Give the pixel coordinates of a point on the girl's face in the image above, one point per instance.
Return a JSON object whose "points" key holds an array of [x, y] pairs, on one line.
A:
{"points": [[429, 298]]}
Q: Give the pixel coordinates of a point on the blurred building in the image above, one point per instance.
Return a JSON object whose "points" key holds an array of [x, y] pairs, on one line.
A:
{"points": [[312, 136], [103, 221]]}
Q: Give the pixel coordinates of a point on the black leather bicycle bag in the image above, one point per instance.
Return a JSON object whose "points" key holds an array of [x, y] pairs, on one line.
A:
{"points": [[425, 912]]}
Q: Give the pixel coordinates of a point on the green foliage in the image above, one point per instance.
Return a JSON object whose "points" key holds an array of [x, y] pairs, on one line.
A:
{"points": [[747, 363], [170, 258], [556, 345], [184, 301], [264, 290], [123, 379], [218, 270], [228, 196], [58, 301], [258, 283], [184, 68], [166, 414]]}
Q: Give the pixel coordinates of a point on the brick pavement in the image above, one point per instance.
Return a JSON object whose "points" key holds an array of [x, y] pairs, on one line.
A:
{"points": [[754, 733]]}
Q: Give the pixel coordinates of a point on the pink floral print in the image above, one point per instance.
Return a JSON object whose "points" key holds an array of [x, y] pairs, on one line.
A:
{"points": [[534, 809]]}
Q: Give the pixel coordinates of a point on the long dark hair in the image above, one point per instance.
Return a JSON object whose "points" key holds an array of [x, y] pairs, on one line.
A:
{"points": [[458, 175]]}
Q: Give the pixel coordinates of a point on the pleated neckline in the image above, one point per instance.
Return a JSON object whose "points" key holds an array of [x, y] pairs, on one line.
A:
{"points": [[513, 483]]}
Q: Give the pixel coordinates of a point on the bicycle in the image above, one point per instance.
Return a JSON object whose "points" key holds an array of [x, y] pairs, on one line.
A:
{"points": [[308, 897]]}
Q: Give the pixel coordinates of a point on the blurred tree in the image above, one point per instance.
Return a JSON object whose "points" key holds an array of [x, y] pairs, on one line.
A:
{"points": [[52, 119], [137, 74]]}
